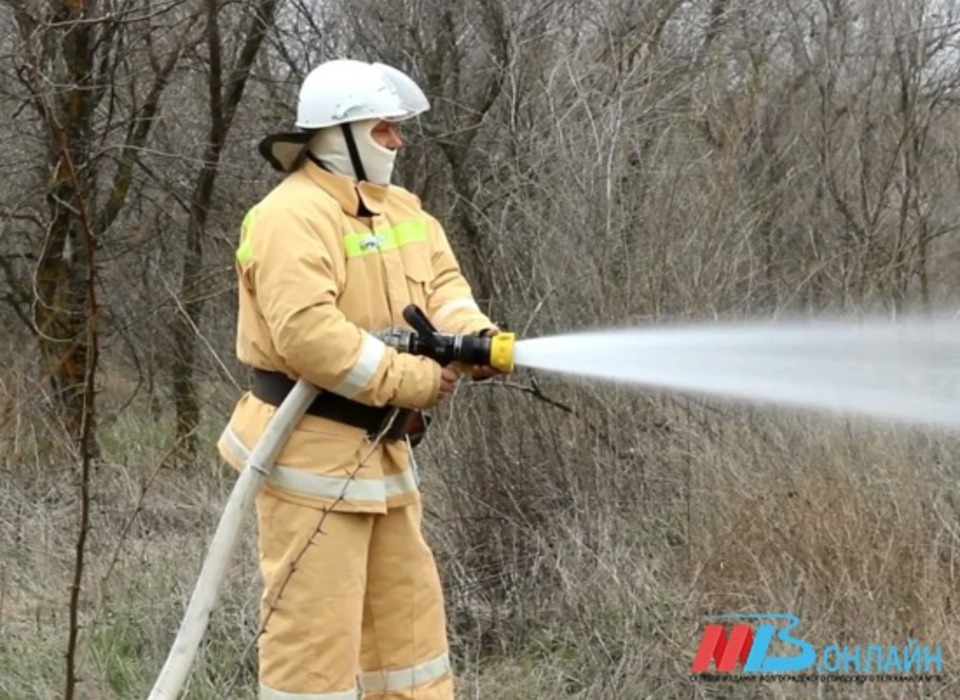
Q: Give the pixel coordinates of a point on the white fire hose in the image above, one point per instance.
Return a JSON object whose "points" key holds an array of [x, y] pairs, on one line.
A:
{"points": [[183, 653]]}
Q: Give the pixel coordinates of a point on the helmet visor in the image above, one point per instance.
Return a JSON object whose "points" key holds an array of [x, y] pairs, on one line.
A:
{"points": [[411, 97]]}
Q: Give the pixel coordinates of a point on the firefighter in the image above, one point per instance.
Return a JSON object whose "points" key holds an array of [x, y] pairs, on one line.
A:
{"points": [[334, 253]]}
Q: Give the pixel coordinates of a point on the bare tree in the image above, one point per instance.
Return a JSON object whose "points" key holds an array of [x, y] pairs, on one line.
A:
{"points": [[81, 68], [225, 90]]}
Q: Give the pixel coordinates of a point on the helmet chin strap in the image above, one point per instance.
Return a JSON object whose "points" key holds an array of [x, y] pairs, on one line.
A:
{"points": [[354, 153]]}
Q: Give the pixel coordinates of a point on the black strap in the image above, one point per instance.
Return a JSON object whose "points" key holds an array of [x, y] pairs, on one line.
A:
{"points": [[354, 153], [273, 387]]}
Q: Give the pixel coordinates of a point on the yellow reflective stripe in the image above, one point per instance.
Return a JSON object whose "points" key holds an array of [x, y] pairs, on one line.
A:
{"points": [[357, 244], [268, 693], [406, 678], [368, 361], [366, 242], [245, 251], [410, 232], [299, 481]]}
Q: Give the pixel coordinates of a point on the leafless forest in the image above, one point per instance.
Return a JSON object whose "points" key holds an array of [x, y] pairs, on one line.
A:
{"points": [[596, 163]]}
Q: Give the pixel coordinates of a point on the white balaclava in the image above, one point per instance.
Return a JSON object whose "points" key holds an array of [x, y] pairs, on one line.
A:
{"points": [[329, 146]]}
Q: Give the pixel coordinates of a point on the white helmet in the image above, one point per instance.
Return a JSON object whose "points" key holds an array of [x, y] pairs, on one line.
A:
{"points": [[340, 92], [344, 91]]}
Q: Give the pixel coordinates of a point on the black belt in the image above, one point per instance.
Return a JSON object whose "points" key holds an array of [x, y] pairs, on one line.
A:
{"points": [[273, 387]]}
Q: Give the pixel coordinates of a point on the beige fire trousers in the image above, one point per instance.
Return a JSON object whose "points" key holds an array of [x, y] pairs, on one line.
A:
{"points": [[352, 610]]}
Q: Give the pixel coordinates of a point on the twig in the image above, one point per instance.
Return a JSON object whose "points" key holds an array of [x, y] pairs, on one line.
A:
{"points": [[536, 310], [199, 334], [532, 388], [86, 419], [136, 510]]}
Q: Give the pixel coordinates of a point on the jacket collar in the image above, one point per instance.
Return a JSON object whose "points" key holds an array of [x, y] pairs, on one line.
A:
{"points": [[348, 192]]}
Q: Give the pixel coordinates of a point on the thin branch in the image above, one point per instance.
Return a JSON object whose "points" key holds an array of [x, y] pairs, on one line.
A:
{"points": [[188, 320], [139, 131], [144, 490], [533, 389], [86, 441]]}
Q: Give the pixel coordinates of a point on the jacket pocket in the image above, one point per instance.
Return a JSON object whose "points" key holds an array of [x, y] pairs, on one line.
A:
{"points": [[418, 270]]}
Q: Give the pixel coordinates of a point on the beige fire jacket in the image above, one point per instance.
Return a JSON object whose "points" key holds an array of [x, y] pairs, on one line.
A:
{"points": [[313, 279]]}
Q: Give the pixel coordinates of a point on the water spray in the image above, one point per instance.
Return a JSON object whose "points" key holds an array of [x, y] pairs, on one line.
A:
{"points": [[907, 370]]}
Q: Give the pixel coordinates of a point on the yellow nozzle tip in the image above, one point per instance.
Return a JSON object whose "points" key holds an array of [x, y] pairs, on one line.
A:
{"points": [[501, 351]]}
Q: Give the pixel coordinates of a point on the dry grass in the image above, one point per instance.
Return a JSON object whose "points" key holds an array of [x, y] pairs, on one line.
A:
{"points": [[581, 553]]}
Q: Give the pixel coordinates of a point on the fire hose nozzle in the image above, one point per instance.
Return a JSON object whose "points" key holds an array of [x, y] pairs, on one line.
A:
{"points": [[495, 351], [501, 351]]}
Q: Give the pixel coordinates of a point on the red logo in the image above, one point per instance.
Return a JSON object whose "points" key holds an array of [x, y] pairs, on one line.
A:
{"points": [[723, 650]]}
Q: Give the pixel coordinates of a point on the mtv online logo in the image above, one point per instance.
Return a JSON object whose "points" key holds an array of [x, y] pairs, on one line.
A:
{"points": [[751, 648]]}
